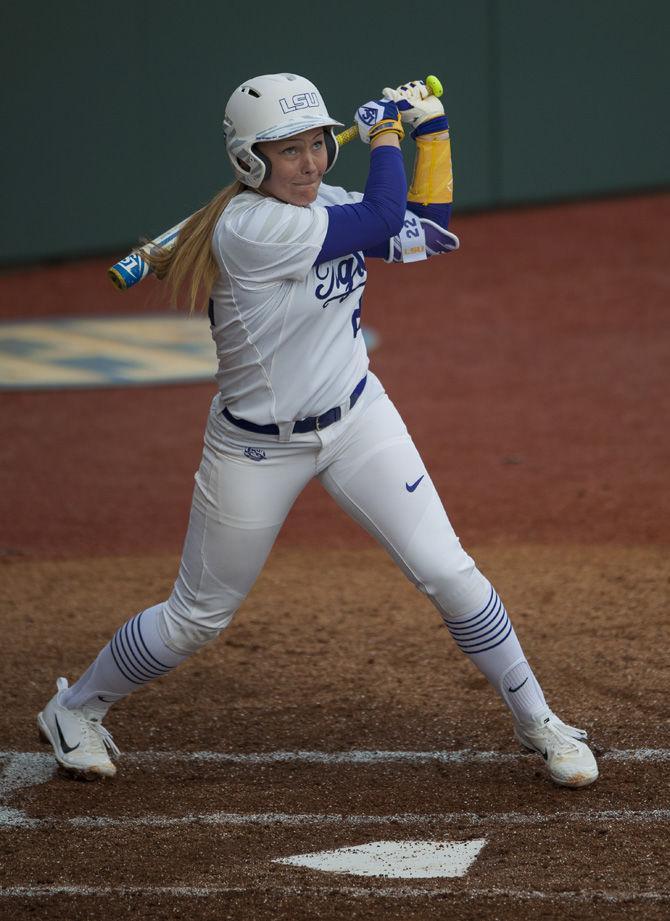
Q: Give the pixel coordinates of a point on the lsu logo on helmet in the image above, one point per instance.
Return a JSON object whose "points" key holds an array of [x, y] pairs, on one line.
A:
{"points": [[299, 101]]}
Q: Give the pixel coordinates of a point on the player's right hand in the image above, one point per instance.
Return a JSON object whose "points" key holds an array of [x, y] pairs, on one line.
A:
{"points": [[415, 103], [377, 116]]}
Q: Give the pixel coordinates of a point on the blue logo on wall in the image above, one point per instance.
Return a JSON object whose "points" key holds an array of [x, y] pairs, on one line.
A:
{"points": [[254, 453]]}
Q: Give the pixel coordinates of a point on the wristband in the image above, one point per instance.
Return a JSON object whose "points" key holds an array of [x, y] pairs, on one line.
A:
{"points": [[386, 125], [431, 125]]}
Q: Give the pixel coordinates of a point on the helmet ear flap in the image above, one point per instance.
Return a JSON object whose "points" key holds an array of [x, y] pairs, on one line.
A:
{"points": [[332, 147], [265, 161]]}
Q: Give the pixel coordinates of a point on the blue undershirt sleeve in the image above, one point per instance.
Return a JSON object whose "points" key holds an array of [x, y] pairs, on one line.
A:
{"points": [[380, 251], [370, 223], [439, 214]]}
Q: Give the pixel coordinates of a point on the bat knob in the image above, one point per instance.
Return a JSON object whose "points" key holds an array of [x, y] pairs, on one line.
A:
{"points": [[434, 85]]}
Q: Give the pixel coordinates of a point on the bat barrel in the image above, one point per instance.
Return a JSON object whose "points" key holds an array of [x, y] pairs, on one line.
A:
{"points": [[434, 85]]}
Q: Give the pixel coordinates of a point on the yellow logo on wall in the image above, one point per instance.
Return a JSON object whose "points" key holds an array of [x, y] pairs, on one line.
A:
{"points": [[108, 352], [105, 352]]}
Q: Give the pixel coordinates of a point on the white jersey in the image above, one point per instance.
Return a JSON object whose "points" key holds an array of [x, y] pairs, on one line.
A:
{"points": [[287, 333]]}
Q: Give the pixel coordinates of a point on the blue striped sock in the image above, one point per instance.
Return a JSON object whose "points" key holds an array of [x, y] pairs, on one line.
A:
{"points": [[135, 655], [484, 630], [488, 638]]}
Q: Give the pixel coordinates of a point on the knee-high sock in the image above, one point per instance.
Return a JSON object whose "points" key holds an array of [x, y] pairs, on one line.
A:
{"points": [[135, 655], [487, 637]]}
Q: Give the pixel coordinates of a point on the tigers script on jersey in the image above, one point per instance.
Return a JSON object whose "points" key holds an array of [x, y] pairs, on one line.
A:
{"points": [[287, 332]]}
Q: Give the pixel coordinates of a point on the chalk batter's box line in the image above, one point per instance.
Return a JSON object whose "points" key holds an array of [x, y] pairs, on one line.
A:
{"points": [[287, 819], [25, 769], [354, 892]]}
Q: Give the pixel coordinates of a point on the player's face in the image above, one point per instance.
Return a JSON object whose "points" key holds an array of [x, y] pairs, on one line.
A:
{"points": [[298, 163]]}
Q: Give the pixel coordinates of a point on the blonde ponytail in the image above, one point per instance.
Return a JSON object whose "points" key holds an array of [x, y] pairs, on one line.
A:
{"points": [[189, 267]]}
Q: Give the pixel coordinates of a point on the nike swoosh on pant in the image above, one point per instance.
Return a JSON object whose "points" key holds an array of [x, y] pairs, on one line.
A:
{"points": [[63, 744], [512, 690], [414, 485]]}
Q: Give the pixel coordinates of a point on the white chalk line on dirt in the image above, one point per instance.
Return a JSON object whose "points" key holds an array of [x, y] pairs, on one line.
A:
{"points": [[653, 816], [361, 892], [36, 763], [362, 756]]}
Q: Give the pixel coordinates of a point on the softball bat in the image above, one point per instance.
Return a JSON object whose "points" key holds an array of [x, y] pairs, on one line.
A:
{"points": [[134, 267]]}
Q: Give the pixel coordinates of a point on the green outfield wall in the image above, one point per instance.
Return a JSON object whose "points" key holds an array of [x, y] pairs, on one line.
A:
{"points": [[112, 114]]}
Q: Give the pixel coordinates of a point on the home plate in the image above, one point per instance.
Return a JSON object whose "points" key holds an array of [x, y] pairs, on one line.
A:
{"points": [[395, 859]]}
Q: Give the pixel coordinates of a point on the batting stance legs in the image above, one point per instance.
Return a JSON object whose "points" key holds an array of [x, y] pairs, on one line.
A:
{"points": [[244, 489]]}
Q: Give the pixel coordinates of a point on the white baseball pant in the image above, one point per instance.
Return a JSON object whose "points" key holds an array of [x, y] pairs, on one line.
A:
{"points": [[366, 461]]}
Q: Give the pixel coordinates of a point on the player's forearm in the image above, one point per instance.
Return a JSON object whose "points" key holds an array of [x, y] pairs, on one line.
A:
{"points": [[432, 188], [432, 183], [377, 217], [439, 214]]}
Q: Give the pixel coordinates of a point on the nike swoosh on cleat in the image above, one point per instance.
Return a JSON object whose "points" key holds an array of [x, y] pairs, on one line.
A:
{"points": [[543, 753], [66, 748], [105, 700], [414, 485], [511, 690]]}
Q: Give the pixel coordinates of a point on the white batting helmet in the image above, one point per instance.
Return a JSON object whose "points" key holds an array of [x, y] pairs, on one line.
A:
{"points": [[270, 108]]}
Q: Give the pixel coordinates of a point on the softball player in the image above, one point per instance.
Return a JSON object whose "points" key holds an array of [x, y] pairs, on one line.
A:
{"points": [[283, 256]]}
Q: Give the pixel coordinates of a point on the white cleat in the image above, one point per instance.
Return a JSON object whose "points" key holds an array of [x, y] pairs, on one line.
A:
{"points": [[569, 761], [571, 731], [79, 740]]}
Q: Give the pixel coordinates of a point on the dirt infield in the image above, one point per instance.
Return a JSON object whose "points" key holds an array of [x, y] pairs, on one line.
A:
{"points": [[531, 368]]}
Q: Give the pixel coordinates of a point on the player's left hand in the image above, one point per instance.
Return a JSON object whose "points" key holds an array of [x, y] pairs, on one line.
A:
{"points": [[415, 103], [377, 116]]}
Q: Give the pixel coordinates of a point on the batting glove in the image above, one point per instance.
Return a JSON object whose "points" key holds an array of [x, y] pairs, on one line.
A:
{"points": [[376, 117], [415, 104]]}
